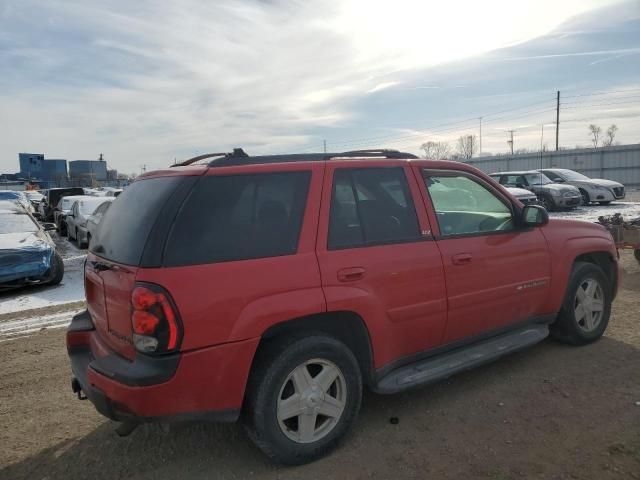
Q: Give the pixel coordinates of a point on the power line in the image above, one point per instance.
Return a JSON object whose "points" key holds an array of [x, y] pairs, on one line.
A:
{"points": [[610, 92]]}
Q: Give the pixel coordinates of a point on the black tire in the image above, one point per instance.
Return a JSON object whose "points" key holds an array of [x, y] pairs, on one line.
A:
{"points": [[605, 203], [57, 269], [273, 365], [585, 197], [81, 244], [566, 327], [636, 253], [69, 236], [547, 202]]}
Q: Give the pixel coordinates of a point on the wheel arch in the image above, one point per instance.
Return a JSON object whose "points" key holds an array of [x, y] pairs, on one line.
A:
{"points": [[346, 326]]}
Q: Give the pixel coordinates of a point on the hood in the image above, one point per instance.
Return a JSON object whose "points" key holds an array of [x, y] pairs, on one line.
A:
{"points": [[520, 192], [562, 188], [606, 183], [23, 240]]}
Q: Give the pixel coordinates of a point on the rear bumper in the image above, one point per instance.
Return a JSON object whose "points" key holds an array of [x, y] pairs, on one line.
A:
{"points": [[204, 384]]}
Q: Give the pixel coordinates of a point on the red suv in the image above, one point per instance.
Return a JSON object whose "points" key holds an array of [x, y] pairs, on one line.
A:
{"points": [[274, 288]]}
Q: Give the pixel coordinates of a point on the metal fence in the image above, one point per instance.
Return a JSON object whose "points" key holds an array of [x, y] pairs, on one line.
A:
{"points": [[620, 163]]}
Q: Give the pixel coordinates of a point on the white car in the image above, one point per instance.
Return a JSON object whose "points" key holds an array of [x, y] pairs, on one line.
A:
{"points": [[78, 218], [592, 189]]}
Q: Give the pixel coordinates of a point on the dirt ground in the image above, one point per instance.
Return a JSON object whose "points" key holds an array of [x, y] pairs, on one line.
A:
{"points": [[552, 412]]}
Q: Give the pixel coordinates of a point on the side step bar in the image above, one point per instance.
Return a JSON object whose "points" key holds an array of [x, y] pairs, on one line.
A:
{"points": [[442, 366]]}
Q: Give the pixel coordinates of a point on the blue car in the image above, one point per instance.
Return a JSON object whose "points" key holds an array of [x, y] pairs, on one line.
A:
{"points": [[27, 253]]}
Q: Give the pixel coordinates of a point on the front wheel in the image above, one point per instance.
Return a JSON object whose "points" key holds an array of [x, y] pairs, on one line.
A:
{"points": [[585, 197], [585, 312], [57, 269], [302, 397], [547, 203]]}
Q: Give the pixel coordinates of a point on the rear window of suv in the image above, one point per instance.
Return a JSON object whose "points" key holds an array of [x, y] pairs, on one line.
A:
{"points": [[125, 228], [239, 217]]}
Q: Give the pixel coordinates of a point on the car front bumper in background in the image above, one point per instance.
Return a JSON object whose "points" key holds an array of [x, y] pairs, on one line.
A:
{"points": [[568, 202], [207, 383], [24, 264]]}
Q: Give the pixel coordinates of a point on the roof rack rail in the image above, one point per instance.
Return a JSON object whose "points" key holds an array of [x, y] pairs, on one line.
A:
{"points": [[378, 153], [237, 152]]}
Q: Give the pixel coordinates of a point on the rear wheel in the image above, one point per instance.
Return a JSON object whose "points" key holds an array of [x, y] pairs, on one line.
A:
{"points": [[303, 396], [82, 243], [585, 312]]}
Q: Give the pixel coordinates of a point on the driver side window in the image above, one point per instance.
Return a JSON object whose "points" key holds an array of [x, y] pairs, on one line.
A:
{"points": [[465, 206]]}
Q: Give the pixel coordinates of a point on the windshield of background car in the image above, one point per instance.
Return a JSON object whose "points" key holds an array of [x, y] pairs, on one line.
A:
{"points": [[537, 179], [11, 222], [571, 175]]}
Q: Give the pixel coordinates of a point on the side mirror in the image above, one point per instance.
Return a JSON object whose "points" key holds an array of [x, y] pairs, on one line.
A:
{"points": [[534, 216], [48, 226]]}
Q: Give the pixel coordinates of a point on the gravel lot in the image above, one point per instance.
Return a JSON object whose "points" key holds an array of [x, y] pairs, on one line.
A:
{"points": [[552, 411]]}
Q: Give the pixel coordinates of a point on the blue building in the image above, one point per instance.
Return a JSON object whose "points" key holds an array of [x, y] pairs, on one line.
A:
{"points": [[88, 169], [48, 172]]}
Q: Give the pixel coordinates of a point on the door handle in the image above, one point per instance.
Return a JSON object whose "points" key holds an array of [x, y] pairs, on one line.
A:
{"points": [[461, 259], [350, 274]]}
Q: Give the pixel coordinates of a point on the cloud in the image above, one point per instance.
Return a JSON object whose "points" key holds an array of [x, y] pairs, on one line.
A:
{"points": [[146, 81]]}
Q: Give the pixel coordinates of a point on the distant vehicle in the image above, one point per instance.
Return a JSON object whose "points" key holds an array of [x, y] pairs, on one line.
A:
{"points": [[113, 193], [93, 220], [525, 196], [51, 199], [62, 210], [592, 189], [27, 253], [77, 218], [17, 196], [34, 197], [551, 196]]}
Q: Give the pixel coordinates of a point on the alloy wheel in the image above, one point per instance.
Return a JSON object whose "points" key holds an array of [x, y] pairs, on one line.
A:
{"points": [[311, 401], [589, 305]]}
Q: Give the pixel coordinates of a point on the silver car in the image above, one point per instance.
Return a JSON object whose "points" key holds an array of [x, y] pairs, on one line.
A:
{"points": [[94, 219], [78, 218], [592, 189], [552, 196]]}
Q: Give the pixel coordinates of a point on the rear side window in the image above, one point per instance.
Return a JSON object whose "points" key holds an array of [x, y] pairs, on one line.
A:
{"points": [[371, 206], [125, 227], [239, 217]]}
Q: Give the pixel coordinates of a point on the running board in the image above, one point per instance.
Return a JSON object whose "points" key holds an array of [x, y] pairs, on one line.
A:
{"points": [[442, 366]]}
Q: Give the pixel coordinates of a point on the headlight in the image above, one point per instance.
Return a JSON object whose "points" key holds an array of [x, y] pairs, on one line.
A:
{"points": [[599, 187], [570, 194]]}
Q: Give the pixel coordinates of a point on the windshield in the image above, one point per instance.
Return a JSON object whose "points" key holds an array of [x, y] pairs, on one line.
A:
{"points": [[16, 223], [571, 175], [537, 179]]}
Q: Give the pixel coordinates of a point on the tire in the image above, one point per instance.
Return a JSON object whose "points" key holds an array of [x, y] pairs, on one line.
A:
{"points": [[605, 203], [57, 269], [585, 197], [570, 326], [272, 381], [547, 202], [636, 253], [69, 236], [81, 244]]}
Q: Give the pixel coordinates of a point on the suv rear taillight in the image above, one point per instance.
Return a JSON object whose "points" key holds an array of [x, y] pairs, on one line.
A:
{"points": [[155, 321]]}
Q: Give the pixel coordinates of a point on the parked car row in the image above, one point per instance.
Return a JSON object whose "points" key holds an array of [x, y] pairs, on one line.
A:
{"points": [[557, 188]]}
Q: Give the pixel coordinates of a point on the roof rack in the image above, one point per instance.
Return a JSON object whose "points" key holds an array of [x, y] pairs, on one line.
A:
{"points": [[237, 152], [240, 157]]}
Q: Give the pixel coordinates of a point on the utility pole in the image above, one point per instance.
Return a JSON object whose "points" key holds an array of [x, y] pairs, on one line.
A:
{"points": [[324, 143], [510, 142], [557, 119], [480, 151]]}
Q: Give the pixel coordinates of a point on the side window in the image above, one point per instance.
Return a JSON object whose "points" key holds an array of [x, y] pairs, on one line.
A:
{"points": [[371, 206], [239, 217], [514, 181], [465, 206]]}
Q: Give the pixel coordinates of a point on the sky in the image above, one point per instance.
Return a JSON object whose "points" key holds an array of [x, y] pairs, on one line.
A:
{"points": [[148, 82]]}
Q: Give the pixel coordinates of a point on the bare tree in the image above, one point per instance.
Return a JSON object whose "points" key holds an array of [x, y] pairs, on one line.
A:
{"points": [[436, 150], [595, 131], [611, 134], [467, 146]]}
